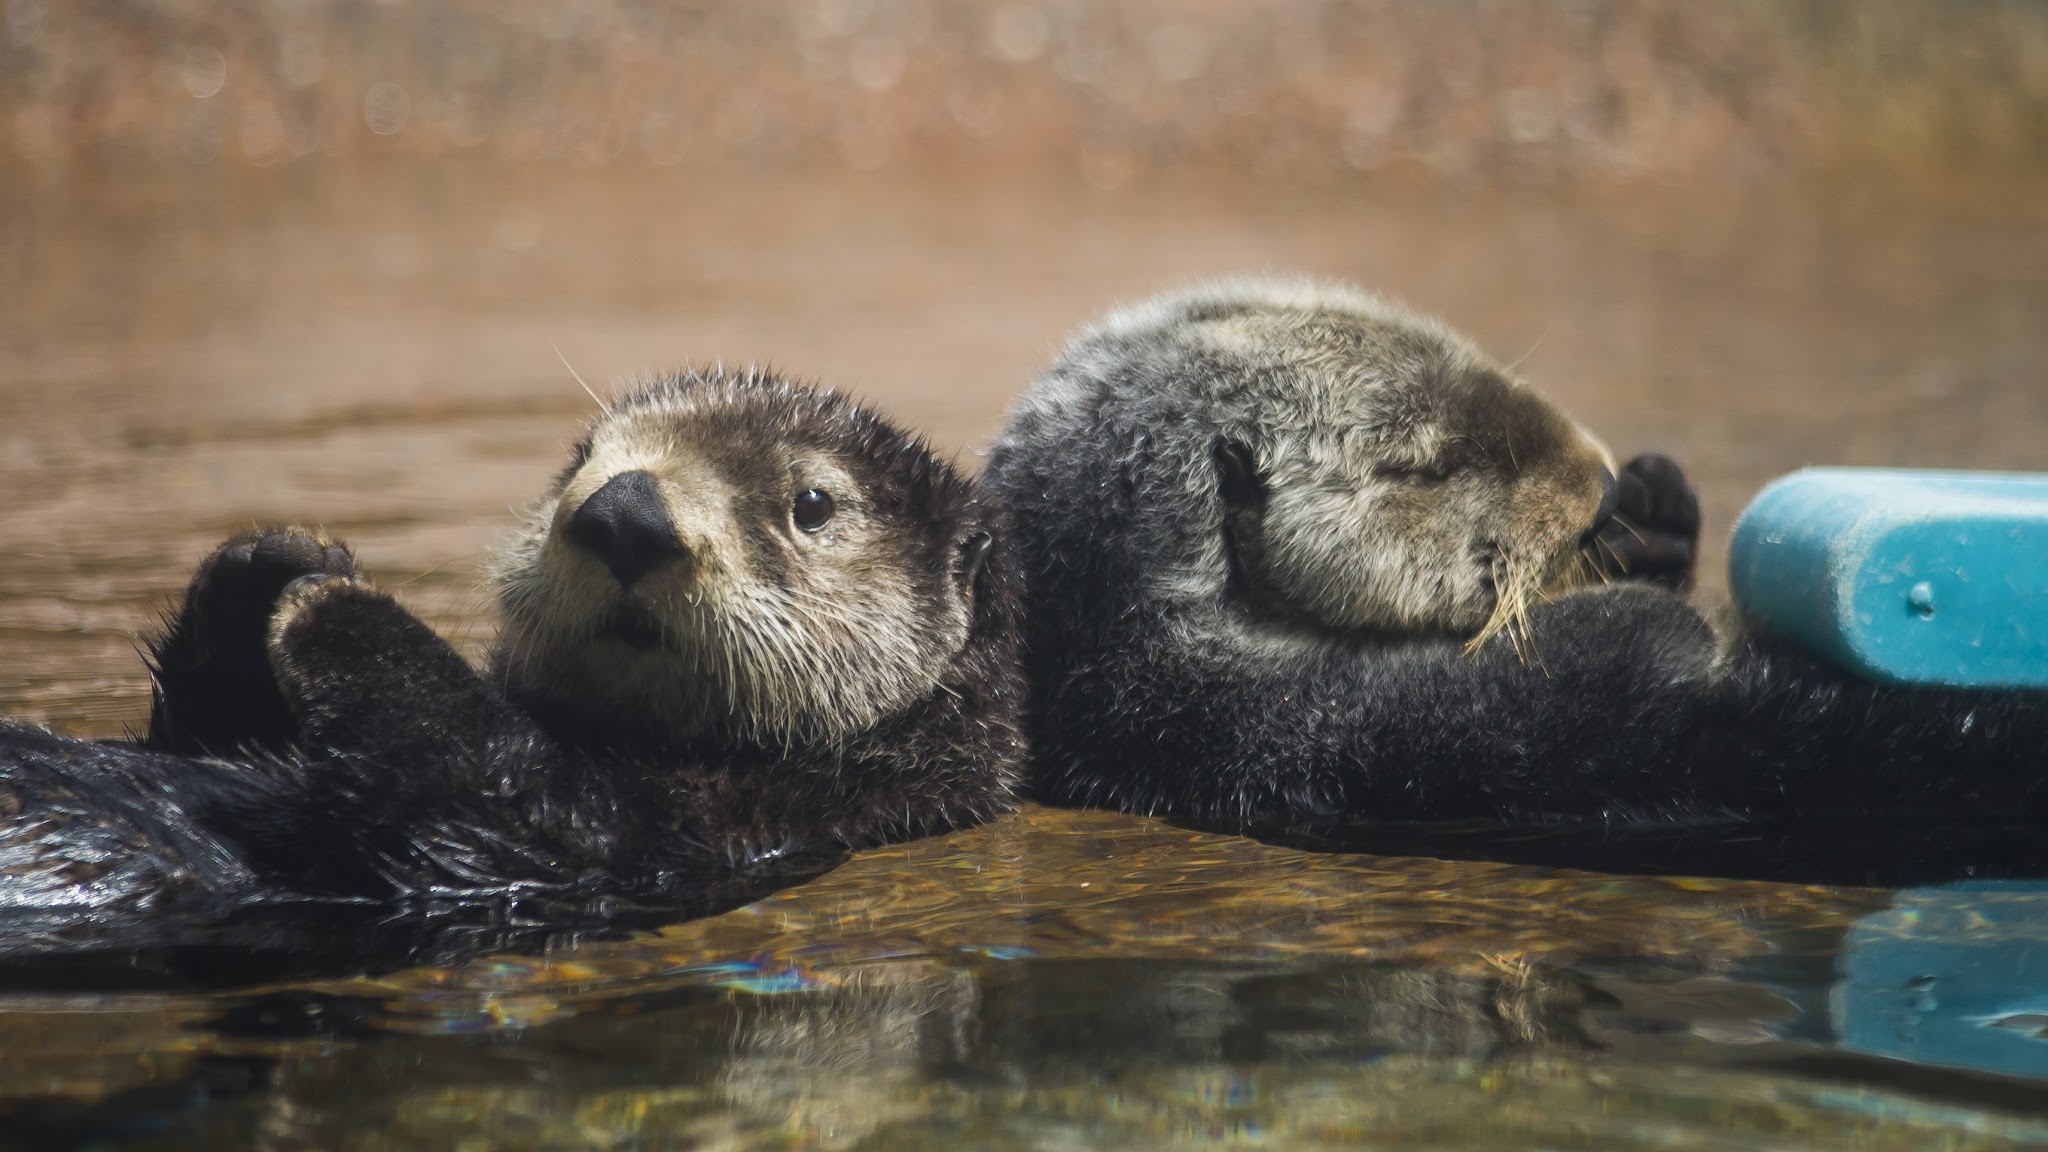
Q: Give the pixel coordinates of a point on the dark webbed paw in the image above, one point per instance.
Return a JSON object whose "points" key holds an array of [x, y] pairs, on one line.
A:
{"points": [[239, 585], [213, 690], [1655, 532], [361, 674], [327, 625]]}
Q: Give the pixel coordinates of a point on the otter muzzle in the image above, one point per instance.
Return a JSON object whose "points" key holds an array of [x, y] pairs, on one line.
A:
{"points": [[626, 525]]}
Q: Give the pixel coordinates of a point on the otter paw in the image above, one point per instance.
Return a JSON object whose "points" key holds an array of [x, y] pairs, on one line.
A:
{"points": [[1655, 493], [211, 678], [323, 608], [237, 587], [360, 673], [1654, 534], [329, 627], [236, 591]]}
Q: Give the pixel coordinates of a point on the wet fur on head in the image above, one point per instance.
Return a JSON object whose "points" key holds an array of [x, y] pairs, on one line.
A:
{"points": [[1396, 481], [762, 632]]}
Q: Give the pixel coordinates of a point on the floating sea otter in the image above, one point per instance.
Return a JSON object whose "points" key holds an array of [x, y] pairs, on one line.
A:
{"points": [[748, 619], [1295, 556]]}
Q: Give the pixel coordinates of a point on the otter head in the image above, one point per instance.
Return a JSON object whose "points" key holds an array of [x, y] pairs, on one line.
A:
{"points": [[1370, 470], [736, 558]]}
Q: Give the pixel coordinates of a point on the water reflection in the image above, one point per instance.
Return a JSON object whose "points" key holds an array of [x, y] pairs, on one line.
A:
{"points": [[1955, 976], [1064, 976], [1087, 1053]]}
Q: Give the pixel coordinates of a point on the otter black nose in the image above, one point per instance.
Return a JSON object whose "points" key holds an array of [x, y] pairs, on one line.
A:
{"points": [[1610, 495], [626, 525]]}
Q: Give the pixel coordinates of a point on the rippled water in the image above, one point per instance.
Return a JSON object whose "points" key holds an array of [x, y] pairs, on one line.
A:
{"points": [[374, 350], [1079, 980]]}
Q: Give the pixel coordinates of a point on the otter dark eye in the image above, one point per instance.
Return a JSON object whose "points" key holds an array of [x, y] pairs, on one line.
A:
{"points": [[1237, 478], [812, 509]]}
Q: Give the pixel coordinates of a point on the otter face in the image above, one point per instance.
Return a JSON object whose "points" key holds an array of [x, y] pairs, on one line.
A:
{"points": [[740, 558], [1371, 470]]}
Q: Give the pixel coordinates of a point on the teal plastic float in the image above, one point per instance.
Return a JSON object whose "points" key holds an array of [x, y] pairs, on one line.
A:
{"points": [[1937, 578]]}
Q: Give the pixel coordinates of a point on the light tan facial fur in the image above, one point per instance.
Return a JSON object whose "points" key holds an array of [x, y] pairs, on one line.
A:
{"points": [[1405, 483], [762, 631]]}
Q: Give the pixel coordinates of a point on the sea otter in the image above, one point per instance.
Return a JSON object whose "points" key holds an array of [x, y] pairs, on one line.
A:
{"points": [[747, 619], [1296, 556]]}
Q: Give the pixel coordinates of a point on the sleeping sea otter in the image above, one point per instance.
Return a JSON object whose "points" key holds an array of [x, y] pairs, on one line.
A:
{"points": [[1297, 558]]}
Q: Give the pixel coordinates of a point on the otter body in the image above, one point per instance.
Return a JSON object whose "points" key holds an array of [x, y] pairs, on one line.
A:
{"points": [[1295, 556], [748, 620]]}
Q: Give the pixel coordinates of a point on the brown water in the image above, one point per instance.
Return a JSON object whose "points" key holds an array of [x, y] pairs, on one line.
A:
{"points": [[372, 348]]}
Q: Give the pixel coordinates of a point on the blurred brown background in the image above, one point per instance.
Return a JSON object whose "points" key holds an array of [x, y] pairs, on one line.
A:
{"points": [[311, 260]]}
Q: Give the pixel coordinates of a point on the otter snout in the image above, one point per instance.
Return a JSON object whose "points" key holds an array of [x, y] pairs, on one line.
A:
{"points": [[1610, 498], [626, 525]]}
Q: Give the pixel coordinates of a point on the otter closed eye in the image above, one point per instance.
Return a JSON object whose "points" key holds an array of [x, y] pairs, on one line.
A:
{"points": [[1432, 474]]}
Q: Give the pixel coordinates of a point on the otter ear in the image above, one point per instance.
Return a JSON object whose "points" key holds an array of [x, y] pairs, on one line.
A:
{"points": [[974, 550]]}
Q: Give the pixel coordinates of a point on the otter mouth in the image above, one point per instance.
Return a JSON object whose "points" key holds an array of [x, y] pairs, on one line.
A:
{"points": [[632, 626], [1492, 562], [1490, 557]]}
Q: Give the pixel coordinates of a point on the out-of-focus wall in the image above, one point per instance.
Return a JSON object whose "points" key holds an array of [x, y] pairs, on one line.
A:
{"points": [[322, 260], [1295, 90]]}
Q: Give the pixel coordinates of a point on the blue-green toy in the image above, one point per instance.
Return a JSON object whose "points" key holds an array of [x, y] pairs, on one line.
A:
{"points": [[1936, 578]]}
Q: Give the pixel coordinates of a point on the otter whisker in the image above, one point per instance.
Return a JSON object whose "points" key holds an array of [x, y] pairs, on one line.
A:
{"points": [[431, 569], [1516, 583], [1507, 580], [831, 647], [1515, 365], [1613, 555], [602, 407]]}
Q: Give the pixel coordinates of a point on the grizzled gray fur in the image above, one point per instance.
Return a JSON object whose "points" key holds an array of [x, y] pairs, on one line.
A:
{"points": [[1296, 557]]}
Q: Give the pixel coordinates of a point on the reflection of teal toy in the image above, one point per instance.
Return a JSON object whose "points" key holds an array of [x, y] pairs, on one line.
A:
{"points": [[1955, 976], [1910, 577]]}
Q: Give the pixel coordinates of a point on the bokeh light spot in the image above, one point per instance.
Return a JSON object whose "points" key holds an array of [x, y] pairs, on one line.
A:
{"points": [[386, 108]]}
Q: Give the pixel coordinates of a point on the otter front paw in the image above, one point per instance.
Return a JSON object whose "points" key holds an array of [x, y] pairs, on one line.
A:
{"points": [[362, 674], [1654, 534], [327, 619], [240, 583], [212, 688]]}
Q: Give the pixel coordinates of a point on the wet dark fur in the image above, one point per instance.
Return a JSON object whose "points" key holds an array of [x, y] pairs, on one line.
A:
{"points": [[387, 767], [1620, 716]]}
